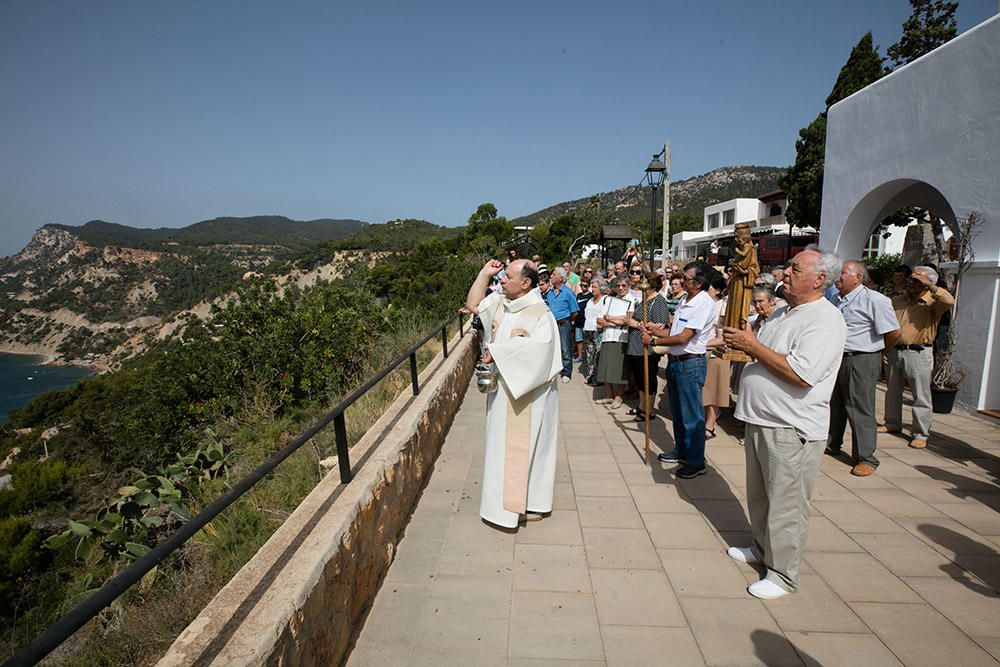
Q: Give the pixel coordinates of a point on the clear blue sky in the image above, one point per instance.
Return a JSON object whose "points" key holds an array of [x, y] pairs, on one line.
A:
{"points": [[165, 113]]}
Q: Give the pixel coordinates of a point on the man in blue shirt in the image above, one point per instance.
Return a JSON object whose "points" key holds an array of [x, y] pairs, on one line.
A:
{"points": [[562, 303]]}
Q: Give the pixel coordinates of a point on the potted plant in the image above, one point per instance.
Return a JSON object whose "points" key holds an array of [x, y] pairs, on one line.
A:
{"points": [[947, 374]]}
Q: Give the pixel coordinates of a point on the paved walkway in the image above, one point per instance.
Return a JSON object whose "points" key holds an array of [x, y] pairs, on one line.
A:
{"points": [[630, 568]]}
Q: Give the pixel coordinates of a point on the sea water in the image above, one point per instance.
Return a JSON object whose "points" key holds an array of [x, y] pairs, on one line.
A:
{"points": [[22, 377]]}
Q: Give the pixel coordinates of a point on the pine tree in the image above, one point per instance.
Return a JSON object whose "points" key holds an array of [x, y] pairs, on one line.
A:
{"points": [[931, 24], [863, 67], [804, 180], [803, 183]]}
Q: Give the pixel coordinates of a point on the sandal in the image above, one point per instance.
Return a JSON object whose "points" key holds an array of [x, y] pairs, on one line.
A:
{"points": [[709, 433], [634, 411], [601, 401], [642, 417], [617, 403]]}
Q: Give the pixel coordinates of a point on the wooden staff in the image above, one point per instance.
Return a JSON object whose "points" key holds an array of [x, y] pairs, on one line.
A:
{"points": [[644, 286]]}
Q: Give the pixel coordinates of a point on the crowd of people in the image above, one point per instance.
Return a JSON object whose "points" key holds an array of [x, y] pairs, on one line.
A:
{"points": [[820, 334]]}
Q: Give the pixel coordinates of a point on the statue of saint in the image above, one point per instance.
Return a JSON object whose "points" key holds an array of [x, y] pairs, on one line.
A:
{"points": [[745, 271]]}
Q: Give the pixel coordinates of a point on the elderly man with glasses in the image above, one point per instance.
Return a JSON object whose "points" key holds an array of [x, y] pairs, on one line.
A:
{"points": [[785, 402]]}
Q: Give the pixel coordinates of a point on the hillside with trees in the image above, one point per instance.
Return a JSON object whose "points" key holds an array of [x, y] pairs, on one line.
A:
{"points": [[687, 197], [78, 293], [277, 232], [104, 471], [563, 229]]}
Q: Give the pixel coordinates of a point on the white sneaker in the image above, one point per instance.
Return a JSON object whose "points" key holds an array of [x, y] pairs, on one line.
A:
{"points": [[565, 379], [765, 589], [743, 554]]}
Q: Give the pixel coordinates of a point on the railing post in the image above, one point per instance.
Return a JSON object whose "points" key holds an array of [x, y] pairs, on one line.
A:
{"points": [[461, 325], [444, 340], [340, 433], [413, 374]]}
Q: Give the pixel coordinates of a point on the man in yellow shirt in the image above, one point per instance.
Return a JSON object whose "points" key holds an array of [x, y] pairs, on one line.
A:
{"points": [[912, 360]]}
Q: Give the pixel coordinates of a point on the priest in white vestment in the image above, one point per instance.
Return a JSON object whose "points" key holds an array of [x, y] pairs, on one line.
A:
{"points": [[522, 415]]}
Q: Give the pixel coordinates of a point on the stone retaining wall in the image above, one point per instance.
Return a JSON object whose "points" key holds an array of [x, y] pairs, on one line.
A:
{"points": [[298, 600]]}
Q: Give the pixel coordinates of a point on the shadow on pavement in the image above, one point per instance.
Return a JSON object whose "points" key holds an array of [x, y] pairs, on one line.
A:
{"points": [[971, 557], [774, 649], [961, 451], [965, 488]]}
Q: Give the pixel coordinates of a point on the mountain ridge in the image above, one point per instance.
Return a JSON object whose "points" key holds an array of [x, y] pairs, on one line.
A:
{"points": [[271, 230], [690, 196]]}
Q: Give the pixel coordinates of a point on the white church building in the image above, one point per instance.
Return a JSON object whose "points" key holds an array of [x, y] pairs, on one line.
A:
{"points": [[928, 135]]}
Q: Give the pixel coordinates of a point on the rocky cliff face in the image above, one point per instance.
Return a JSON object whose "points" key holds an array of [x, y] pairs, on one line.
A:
{"points": [[95, 306], [48, 243]]}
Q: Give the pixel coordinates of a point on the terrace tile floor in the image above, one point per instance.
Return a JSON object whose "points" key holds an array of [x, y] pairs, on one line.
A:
{"points": [[630, 568]]}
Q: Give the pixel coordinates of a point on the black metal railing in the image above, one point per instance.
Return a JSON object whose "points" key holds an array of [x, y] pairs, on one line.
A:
{"points": [[76, 618]]}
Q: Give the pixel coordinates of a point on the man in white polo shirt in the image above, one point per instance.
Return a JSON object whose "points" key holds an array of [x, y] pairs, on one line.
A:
{"points": [[691, 329], [785, 402]]}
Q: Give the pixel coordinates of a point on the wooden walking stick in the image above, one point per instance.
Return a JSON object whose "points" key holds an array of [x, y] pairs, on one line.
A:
{"points": [[644, 286]]}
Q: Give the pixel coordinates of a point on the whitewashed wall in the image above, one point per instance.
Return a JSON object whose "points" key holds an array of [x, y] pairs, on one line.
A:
{"points": [[929, 135]]}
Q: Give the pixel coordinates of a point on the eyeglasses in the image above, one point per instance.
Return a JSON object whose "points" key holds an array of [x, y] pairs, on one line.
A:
{"points": [[636, 273]]}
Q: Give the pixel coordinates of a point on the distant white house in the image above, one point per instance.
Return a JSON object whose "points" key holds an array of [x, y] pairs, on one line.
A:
{"points": [[765, 214]]}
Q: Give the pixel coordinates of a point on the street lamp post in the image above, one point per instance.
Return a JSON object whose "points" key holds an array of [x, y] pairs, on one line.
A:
{"points": [[654, 176]]}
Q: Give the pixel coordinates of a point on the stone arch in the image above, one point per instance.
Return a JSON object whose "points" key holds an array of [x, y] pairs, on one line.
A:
{"points": [[883, 201]]}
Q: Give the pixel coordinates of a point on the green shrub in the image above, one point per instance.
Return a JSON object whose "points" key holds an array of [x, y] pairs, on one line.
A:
{"points": [[21, 557], [34, 483], [880, 268]]}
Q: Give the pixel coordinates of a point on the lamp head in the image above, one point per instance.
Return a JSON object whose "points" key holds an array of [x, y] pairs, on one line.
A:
{"points": [[655, 172]]}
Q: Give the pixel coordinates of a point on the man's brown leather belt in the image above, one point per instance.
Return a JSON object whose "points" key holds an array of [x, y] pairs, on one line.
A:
{"points": [[563, 321], [853, 353], [918, 347], [683, 357]]}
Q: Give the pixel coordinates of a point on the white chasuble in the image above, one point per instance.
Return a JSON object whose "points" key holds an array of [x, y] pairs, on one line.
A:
{"points": [[522, 415]]}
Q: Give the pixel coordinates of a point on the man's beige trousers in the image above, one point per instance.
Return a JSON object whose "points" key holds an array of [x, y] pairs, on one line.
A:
{"points": [[781, 470]]}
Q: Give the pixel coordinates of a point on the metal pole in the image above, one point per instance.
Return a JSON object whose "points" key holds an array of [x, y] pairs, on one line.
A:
{"points": [[652, 223], [666, 203], [413, 374], [343, 459]]}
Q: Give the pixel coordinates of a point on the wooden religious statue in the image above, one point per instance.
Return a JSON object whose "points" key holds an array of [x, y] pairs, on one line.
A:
{"points": [[745, 271]]}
